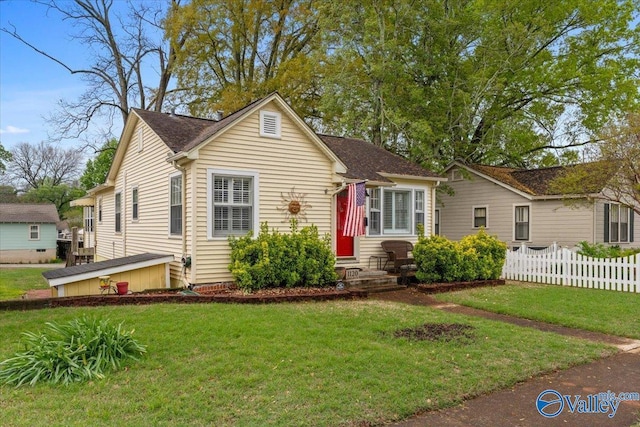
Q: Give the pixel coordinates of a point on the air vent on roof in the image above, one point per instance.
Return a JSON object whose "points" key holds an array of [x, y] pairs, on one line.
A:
{"points": [[270, 124]]}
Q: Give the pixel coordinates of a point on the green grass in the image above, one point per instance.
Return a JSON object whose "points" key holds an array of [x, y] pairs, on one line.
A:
{"points": [[16, 281], [333, 363], [609, 312]]}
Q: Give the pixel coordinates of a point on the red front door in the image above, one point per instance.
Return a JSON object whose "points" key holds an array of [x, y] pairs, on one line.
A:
{"points": [[344, 244]]}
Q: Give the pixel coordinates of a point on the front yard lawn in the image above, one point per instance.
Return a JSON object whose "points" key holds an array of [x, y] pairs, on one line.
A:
{"points": [[331, 363], [609, 312]]}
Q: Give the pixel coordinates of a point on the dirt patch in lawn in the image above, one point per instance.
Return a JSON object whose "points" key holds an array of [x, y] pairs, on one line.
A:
{"points": [[439, 332]]}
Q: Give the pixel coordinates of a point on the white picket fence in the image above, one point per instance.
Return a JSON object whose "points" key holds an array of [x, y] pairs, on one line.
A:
{"points": [[561, 266]]}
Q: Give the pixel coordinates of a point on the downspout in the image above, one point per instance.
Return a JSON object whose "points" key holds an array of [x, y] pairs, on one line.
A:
{"points": [[183, 171]]}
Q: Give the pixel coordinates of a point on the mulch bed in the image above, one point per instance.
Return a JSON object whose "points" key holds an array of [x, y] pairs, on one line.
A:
{"points": [[220, 296]]}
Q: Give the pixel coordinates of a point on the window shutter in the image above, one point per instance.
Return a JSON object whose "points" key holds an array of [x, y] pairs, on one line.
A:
{"points": [[606, 223], [633, 214]]}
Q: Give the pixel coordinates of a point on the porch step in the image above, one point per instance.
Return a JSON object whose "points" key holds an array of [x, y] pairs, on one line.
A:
{"points": [[373, 281]]}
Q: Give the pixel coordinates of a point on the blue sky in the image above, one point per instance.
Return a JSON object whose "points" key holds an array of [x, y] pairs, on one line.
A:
{"points": [[30, 84]]}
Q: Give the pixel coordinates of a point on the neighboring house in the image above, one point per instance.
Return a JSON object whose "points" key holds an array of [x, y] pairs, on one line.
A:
{"points": [[28, 232], [181, 185], [520, 206]]}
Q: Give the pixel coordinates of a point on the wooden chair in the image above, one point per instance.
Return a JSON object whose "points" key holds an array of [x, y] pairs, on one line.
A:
{"points": [[397, 253]]}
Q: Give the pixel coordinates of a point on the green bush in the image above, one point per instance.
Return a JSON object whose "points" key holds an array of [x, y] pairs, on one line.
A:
{"points": [[475, 257], [81, 350], [273, 259], [599, 250], [490, 251]]}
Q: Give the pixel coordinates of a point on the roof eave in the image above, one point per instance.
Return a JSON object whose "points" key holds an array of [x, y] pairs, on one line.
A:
{"points": [[413, 177]]}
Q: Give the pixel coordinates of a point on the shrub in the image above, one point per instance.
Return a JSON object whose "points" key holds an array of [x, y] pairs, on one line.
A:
{"points": [[599, 250], [437, 259], [273, 259], [491, 254], [478, 256], [81, 350]]}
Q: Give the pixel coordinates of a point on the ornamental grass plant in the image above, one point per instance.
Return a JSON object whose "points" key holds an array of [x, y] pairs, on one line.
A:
{"points": [[80, 350]]}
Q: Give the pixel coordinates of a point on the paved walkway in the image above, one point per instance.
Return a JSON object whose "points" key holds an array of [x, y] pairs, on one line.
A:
{"points": [[516, 406]]}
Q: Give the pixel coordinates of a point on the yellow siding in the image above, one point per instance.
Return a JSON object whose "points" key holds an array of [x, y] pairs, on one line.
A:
{"points": [[139, 280], [149, 171], [290, 162]]}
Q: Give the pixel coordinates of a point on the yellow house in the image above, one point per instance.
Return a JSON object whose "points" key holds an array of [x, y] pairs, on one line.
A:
{"points": [[181, 186]]}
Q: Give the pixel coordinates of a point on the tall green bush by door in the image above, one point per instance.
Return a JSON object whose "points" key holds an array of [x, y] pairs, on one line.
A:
{"points": [[273, 259]]}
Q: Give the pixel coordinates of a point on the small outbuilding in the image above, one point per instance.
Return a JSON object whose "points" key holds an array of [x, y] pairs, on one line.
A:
{"points": [[139, 272]]}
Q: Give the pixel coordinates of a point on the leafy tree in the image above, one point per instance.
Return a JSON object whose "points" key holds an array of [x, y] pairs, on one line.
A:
{"points": [[5, 156], [616, 166], [235, 51], [8, 194], [60, 195], [496, 82], [123, 49], [97, 169]]}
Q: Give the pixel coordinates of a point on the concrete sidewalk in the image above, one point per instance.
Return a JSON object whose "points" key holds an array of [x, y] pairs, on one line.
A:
{"points": [[516, 406]]}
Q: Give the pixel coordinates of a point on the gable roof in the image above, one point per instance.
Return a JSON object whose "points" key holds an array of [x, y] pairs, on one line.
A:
{"points": [[365, 161], [28, 213], [535, 182], [354, 158]]}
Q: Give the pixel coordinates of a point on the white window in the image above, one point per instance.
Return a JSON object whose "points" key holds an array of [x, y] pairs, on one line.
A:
{"points": [[34, 232], [270, 124], [175, 203], [618, 223], [419, 210], [480, 216], [118, 212], [134, 203], [232, 205], [140, 140], [397, 211], [522, 223], [374, 211], [88, 219]]}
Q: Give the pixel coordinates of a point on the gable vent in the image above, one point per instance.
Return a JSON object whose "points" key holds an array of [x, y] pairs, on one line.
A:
{"points": [[270, 124]]}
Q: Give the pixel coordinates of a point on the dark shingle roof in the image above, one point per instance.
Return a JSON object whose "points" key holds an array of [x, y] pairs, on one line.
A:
{"points": [[95, 267], [182, 133], [362, 159], [28, 213], [537, 182], [366, 161]]}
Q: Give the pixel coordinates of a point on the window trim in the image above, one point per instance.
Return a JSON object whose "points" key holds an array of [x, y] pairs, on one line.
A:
{"points": [[436, 221], [37, 229], [473, 216], [99, 210], [182, 223], [89, 219], [374, 194], [135, 204], [117, 212], [277, 125], [457, 175], [410, 215], [255, 176], [417, 211], [529, 214]]}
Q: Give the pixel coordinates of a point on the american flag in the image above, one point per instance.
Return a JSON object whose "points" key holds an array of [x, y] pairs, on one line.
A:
{"points": [[354, 223]]}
